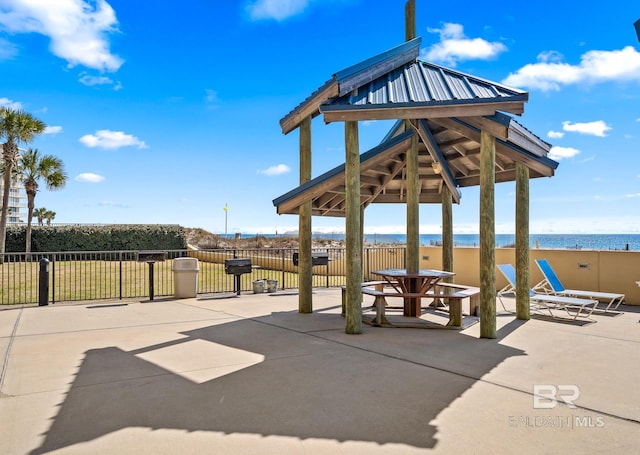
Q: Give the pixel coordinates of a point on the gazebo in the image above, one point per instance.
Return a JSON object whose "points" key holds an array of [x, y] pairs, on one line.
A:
{"points": [[453, 130]]}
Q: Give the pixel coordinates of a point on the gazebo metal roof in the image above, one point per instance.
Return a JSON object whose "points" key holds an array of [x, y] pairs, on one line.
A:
{"points": [[450, 108], [396, 85]]}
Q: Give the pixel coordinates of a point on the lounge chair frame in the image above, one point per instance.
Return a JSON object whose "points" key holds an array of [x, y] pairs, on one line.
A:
{"points": [[573, 306], [551, 284]]}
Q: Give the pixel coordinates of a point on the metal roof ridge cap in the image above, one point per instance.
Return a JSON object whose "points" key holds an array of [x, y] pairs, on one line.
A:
{"points": [[552, 164], [307, 101], [349, 71], [513, 124], [410, 48], [524, 131]]}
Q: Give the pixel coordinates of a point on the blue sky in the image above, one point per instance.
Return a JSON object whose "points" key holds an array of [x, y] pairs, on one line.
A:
{"points": [[165, 111]]}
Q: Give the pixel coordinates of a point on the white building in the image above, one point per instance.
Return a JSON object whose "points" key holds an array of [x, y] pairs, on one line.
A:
{"points": [[17, 202]]}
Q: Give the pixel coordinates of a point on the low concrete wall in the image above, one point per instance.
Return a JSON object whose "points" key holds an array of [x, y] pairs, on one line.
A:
{"points": [[606, 271]]}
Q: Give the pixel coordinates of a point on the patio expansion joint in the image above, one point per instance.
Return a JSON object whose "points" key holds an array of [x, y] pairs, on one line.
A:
{"points": [[99, 329], [5, 361]]}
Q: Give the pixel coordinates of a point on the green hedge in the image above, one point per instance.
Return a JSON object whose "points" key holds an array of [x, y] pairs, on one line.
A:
{"points": [[97, 238]]}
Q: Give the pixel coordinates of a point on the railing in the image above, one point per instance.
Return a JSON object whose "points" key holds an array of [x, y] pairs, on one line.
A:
{"points": [[116, 275]]}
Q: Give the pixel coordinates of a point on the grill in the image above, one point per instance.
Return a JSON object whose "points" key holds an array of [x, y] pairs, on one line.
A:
{"points": [[152, 256], [317, 258], [237, 267]]}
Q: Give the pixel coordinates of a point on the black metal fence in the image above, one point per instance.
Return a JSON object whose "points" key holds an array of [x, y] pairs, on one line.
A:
{"points": [[115, 275]]}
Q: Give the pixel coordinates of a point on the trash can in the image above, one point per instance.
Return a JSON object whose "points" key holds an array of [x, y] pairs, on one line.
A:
{"points": [[258, 286], [185, 277], [272, 285]]}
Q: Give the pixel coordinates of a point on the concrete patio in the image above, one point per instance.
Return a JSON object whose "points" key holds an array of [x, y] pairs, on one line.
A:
{"points": [[248, 374]]}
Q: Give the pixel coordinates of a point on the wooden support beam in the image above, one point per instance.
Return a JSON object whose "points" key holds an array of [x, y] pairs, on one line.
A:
{"points": [[410, 20], [353, 242], [447, 232], [522, 242], [447, 251], [487, 237], [305, 274], [413, 207], [412, 258], [338, 113]]}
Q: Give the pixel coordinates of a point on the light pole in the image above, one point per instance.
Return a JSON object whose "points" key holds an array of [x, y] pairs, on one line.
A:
{"points": [[226, 211]]}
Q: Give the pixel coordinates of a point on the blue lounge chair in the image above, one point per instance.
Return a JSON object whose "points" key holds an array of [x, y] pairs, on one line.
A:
{"points": [[546, 302], [552, 285]]}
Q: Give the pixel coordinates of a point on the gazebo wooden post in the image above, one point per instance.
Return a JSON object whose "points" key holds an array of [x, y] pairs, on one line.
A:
{"points": [[362, 244], [413, 222], [410, 20], [522, 242], [447, 246], [353, 240], [447, 231], [305, 277], [487, 236]]}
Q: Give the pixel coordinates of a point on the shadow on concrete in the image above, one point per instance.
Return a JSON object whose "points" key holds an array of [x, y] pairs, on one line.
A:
{"points": [[336, 388]]}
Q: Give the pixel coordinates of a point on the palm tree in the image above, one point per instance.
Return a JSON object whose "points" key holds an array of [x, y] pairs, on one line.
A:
{"points": [[49, 216], [16, 127], [39, 213], [35, 167]]}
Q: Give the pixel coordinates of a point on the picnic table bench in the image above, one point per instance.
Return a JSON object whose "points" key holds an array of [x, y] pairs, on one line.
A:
{"points": [[460, 292]]}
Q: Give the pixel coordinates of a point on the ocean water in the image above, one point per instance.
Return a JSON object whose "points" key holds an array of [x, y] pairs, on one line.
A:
{"points": [[545, 241]]}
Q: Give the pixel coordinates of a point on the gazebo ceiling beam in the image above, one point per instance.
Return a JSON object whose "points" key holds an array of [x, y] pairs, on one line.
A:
{"points": [[509, 150], [437, 156], [399, 197], [340, 113], [382, 188], [370, 180]]}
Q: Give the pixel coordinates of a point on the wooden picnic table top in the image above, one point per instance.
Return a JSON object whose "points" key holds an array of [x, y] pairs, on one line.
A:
{"points": [[422, 273]]}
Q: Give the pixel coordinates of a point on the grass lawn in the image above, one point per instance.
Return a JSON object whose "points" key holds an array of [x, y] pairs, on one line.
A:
{"points": [[103, 280]]}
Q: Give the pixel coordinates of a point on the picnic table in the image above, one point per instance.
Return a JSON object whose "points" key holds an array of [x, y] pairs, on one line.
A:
{"points": [[412, 285]]}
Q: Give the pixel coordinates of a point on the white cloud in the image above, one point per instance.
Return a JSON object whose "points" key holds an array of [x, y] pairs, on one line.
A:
{"points": [[550, 73], [211, 98], [632, 195], [7, 50], [454, 46], [77, 28], [275, 170], [638, 120], [6, 102], [597, 128], [278, 10], [52, 130], [111, 140], [88, 177], [555, 134], [89, 80], [558, 153]]}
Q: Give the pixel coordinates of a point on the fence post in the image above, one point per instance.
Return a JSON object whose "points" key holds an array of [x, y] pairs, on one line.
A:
{"points": [[120, 274], [53, 279], [327, 250], [43, 283], [283, 261]]}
